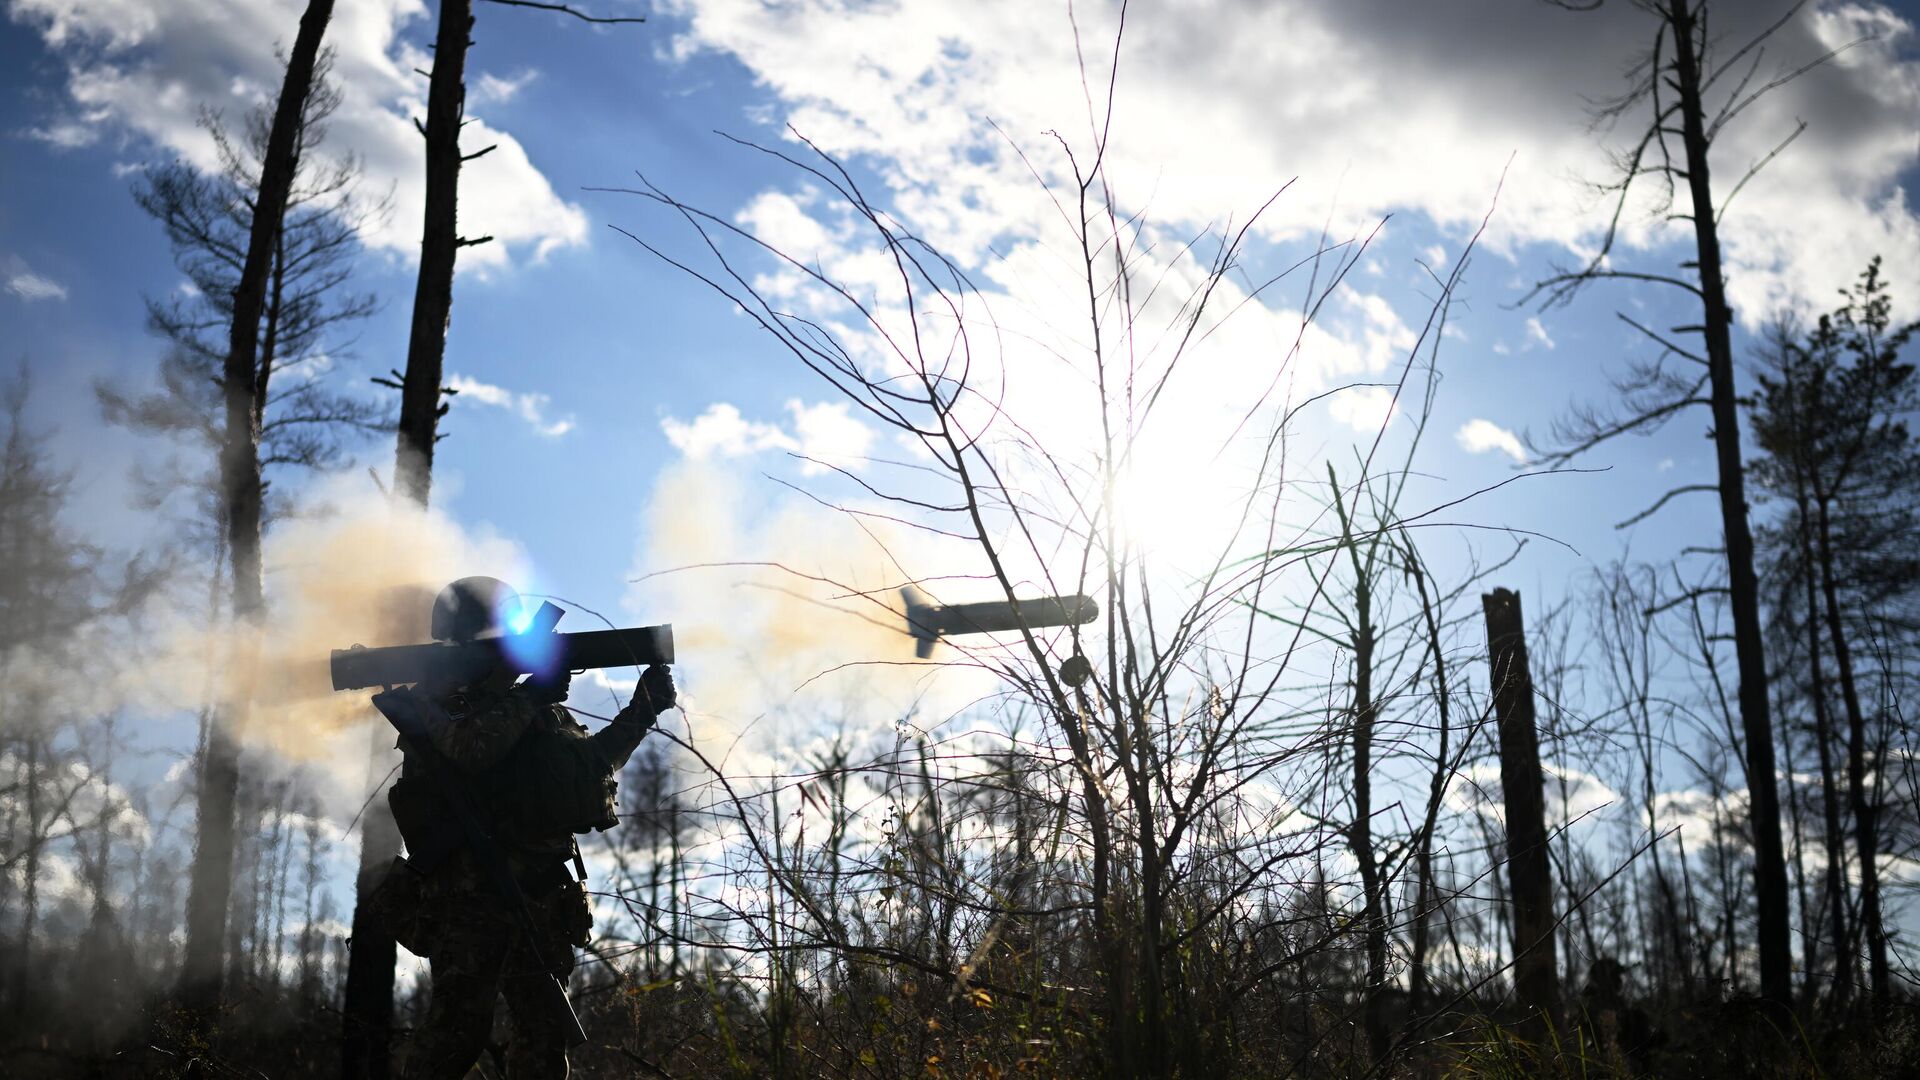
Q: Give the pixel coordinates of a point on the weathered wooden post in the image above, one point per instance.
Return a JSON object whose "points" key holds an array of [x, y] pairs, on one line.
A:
{"points": [[1529, 874]]}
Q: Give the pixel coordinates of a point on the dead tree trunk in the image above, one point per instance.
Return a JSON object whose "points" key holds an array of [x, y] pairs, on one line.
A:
{"points": [[440, 243], [1363, 639], [1866, 826], [1107, 940], [1836, 889], [1426, 893], [367, 1015], [1529, 873], [242, 383], [1769, 855]]}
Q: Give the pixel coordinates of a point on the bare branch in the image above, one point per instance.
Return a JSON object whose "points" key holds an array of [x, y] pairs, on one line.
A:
{"points": [[566, 10]]}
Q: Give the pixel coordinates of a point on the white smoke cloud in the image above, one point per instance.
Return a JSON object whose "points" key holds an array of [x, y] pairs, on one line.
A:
{"points": [[786, 616], [352, 568]]}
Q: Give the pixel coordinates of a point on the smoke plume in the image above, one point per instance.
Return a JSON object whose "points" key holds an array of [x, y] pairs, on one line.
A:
{"points": [[787, 617], [354, 567]]}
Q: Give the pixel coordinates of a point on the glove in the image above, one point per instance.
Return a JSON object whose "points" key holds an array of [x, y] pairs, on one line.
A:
{"points": [[550, 689], [655, 694]]}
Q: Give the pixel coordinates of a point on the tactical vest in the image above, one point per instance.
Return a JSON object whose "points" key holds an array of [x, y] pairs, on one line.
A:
{"points": [[552, 781], [551, 784]]}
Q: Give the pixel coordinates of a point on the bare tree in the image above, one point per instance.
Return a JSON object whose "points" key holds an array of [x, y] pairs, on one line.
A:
{"points": [[62, 600], [308, 308], [1675, 85], [48, 591], [420, 386], [1830, 421], [244, 386], [1154, 729]]}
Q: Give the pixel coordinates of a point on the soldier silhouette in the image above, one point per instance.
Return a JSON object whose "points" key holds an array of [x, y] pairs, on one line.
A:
{"points": [[505, 769]]}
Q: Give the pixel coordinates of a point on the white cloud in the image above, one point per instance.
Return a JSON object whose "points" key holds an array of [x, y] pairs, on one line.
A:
{"points": [[1374, 106], [150, 67], [68, 134], [1537, 334], [1702, 818], [722, 432], [490, 88], [1478, 436], [30, 286], [1384, 335], [530, 407], [829, 435], [825, 434], [1573, 797], [1366, 409], [783, 222], [1026, 361]]}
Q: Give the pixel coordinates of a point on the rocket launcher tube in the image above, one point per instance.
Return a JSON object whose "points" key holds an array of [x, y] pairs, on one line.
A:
{"points": [[536, 651]]}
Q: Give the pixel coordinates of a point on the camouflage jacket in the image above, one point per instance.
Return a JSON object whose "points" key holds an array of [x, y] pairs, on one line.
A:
{"points": [[475, 729]]}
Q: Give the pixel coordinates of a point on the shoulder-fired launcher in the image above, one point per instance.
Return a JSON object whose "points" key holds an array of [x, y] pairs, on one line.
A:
{"points": [[537, 649]]}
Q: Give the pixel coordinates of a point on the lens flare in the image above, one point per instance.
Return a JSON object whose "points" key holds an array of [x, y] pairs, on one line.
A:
{"points": [[530, 639]]}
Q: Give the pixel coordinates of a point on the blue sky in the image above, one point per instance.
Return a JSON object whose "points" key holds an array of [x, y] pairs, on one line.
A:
{"points": [[601, 362]]}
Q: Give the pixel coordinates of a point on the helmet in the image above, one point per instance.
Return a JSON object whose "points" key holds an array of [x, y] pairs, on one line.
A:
{"points": [[471, 608]]}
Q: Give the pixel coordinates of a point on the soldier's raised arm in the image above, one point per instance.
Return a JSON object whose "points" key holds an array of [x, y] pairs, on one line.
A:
{"points": [[655, 695]]}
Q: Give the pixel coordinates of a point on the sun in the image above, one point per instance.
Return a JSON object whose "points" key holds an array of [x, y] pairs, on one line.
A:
{"points": [[1176, 510]]}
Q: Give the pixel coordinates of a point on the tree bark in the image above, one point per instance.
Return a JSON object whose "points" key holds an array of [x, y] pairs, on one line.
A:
{"points": [[1426, 894], [23, 961], [1866, 826], [1365, 712], [440, 243], [1152, 900], [368, 1009], [242, 382], [1769, 857], [1836, 889], [1373, 914], [1529, 868], [1107, 940]]}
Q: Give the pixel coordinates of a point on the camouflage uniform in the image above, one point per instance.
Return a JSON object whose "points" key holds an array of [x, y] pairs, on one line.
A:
{"points": [[451, 915]]}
